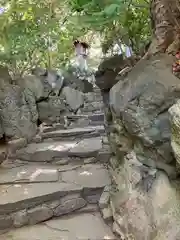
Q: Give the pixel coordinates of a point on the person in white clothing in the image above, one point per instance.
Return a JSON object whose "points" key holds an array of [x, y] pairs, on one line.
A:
{"points": [[81, 51]]}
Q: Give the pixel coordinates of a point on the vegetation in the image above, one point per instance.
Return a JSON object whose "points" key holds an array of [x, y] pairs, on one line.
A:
{"points": [[40, 32], [118, 21]]}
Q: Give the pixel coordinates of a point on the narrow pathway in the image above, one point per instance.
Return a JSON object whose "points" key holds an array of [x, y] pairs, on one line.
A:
{"points": [[57, 187]]}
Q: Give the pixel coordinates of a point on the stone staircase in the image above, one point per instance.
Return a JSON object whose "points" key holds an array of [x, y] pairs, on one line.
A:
{"points": [[57, 187]]}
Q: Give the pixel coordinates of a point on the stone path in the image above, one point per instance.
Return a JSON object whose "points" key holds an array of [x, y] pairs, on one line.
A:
{"points": [[57, 187]]}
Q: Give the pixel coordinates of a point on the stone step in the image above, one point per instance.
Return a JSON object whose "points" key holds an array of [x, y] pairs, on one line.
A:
{"points": [[34, 193], [56, 150], [73, 132], [93, 117], [83, 226]]}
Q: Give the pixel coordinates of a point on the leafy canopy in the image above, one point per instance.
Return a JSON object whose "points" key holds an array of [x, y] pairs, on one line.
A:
{"points": [[125, 21], [40, 32], [35, 32]]}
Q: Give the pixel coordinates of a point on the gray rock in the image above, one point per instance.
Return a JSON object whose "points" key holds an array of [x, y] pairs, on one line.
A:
{"points": [[142, 102], [37, 139], [74, 132], [16, 116], [45, 151], [16, 144], [104, 155], [29, 174], [174, 112], [140, 134], [104, 200], [86, 148], [74, 98], [55, 80], [91, 176], [93, 199], [51, 110], [22, 196], [34, 85], [90, 160], [20, 219], [5, 222], [107, 72], [107, 214], [73, 81], [82, 226], [52, 81], [69, 204], [89, 208], [39, 214]]}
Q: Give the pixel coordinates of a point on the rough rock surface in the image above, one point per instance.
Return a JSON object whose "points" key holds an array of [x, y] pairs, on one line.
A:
{"points": [[144, 201], [174, 112], [74, 81], [106, 76], [51, 110], [85, 226], [17, 117], [53, 178], [46, 96], [74, 98]]}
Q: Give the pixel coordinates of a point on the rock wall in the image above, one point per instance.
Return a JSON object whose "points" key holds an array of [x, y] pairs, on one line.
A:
{"points": [[145, 196], [45, 96]]}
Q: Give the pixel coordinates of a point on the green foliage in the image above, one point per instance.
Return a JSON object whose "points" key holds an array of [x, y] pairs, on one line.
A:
{"points": [[41, 32], [125, 21], [34, 32]]}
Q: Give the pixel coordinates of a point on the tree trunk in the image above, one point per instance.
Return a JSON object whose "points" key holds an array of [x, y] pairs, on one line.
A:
{"points": [[165, 16]]}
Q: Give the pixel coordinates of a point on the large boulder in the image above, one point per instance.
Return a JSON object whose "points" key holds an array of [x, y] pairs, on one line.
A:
{"points": [[34, 84], [108, 71], [16, 116], [141, 102], [139, 132], [145, 204], [174, 112], [74, 99], [51, 80], [71, 79], [51, 110]]}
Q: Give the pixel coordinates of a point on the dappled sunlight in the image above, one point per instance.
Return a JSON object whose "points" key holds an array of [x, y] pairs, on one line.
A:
{"points": [[26, 191], [19, 175], [107, 237], [59, 146], [17, 185], [85, 173], [41, 171]]}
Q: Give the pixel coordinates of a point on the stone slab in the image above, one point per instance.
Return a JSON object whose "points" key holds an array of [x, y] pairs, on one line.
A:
{"points": [[24, 195], [44, 152], [73, 132], [97, 117], [104, 200], [81, 227], [86, 148], [29, 173], [17, 143], [20, 196], [89, 176]]}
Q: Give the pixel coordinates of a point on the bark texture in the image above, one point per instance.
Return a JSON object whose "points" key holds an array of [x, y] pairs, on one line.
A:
{"points": [[166, 22]]}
